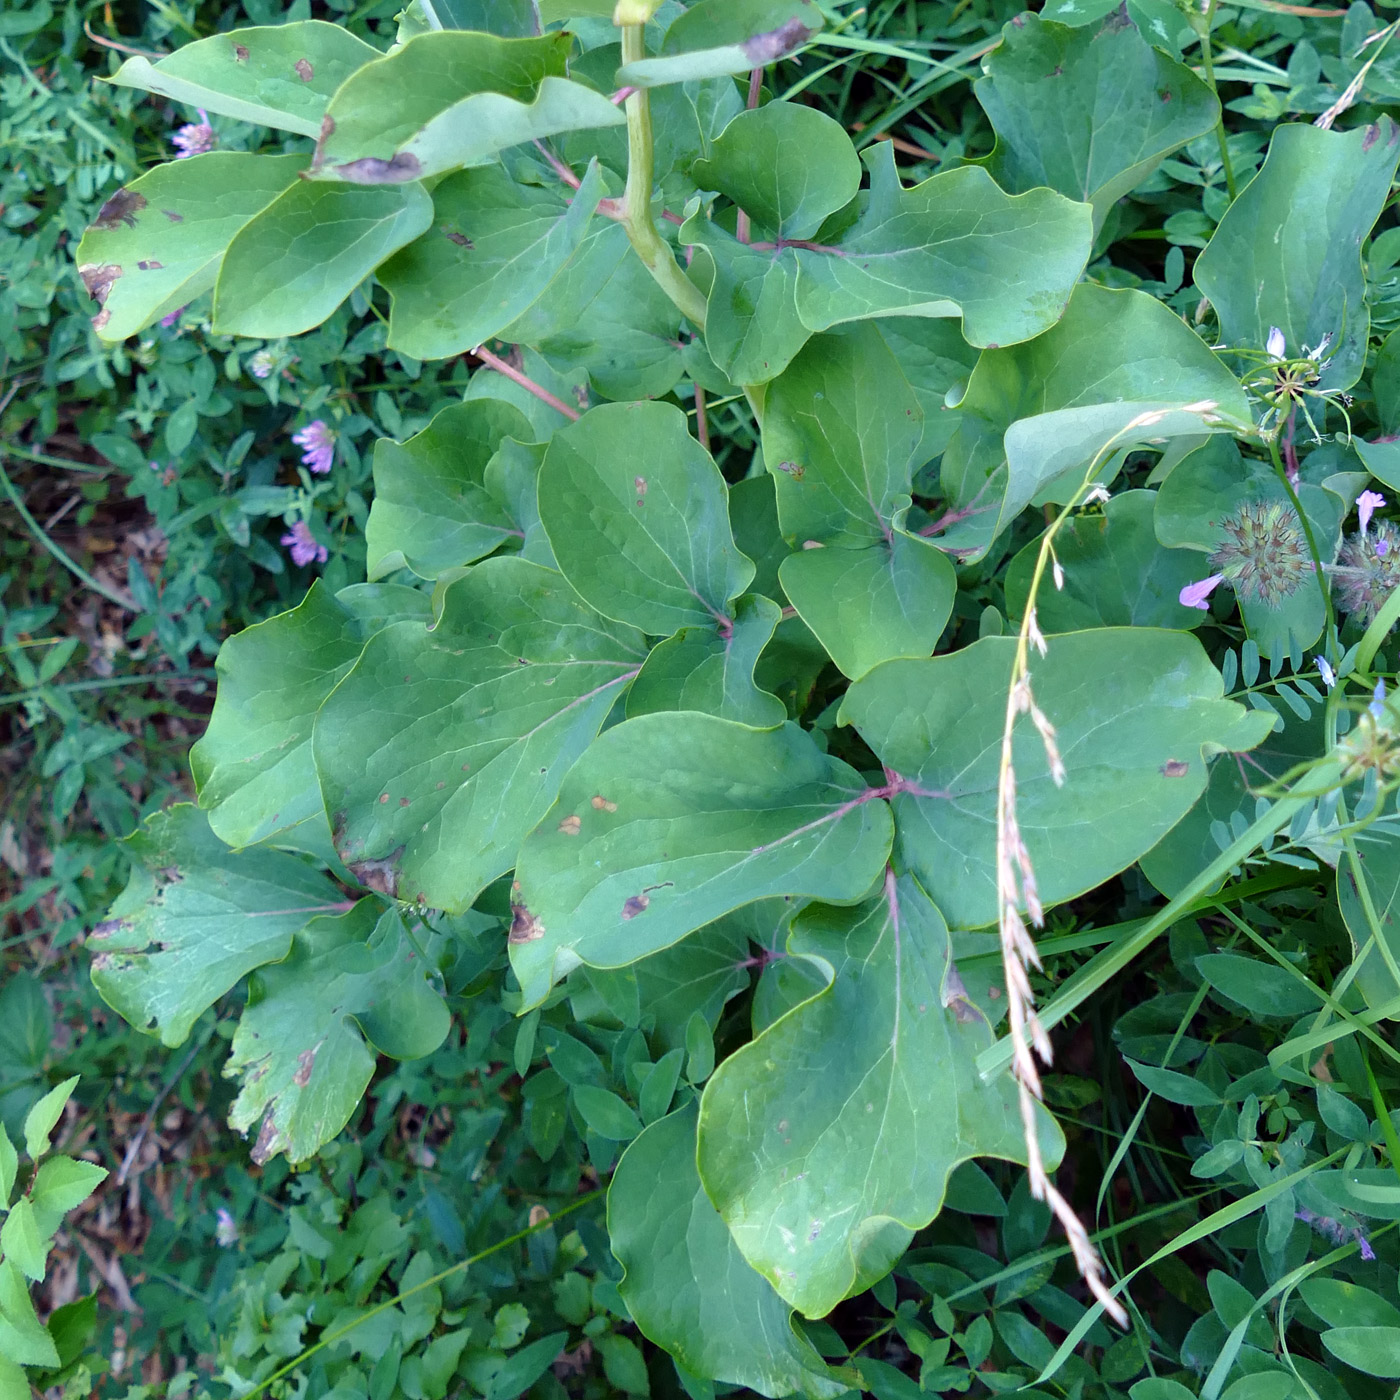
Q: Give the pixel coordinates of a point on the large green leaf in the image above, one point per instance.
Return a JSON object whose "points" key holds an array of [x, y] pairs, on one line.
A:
{"points": [[444, 745], [1374, 1351], [453, 98], [280, 75], [1288, 251], [685, 1283], [252, 767], [700, 669], [194, 918], [1035, 416], [870, 605], [497, 248], [671, 820], [638, 517], [1116, 574], [828, 1140], [715, 37], [1136, 710], [156, 244], [291, 265], [955, 245], [1091, 113], [839, 431], [433, 509], [787, 166], [304, 1047]]}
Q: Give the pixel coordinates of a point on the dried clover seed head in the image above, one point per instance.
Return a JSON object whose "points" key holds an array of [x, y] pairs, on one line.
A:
{"points": [[1367, 570], [1264, 554]]}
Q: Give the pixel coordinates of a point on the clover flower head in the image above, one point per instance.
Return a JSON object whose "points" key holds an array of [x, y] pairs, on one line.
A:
{"points": [[1338, 1231], [262, 364], [1275, 344], [172, 318], [225, 1228], [1367, 570], [1367, 504], [302, 546], [1194, 595], [1264, 554], [319, 442], [194, 138]]}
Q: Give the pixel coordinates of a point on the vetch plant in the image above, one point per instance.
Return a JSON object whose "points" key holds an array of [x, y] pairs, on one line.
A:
{"points": [[710, 626]]}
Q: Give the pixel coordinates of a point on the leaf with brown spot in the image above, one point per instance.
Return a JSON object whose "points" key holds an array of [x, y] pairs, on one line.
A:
{"points": [[121, 208], [600, 803], [305, 1047], [635, 905], [304, 70], [571, 826], [524, 926], [99, 278]]}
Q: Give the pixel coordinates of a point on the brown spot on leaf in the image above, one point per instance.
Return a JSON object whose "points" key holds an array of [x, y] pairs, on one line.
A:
{"points": [[403, 802], [763, 49], [570, 826], [524, 926], [640, 485], [635, 905], [304, 70], [267, 1142], [793, 469], [150, 265], [240, 53], [122, 208], [98, 279], [305, 1063], [173, 216], [382, 876], [370, 170], [1175, 768], [460, 239], [109, 928], [601, 803], [99, 322], [383, 798]]}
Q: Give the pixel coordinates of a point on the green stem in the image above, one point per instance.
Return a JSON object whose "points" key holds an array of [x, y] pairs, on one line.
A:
{"points": [[122, 600], [1282, 473], [653, 250], [1208, 63]]}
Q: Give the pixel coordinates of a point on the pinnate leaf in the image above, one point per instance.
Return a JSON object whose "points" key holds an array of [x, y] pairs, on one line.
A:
{"points": [[670, 821]]}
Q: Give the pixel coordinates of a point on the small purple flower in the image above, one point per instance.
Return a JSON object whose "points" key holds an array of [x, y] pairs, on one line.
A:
{"points": [[302, 547], [194, 138], [1338, 1231], [1367, 504], [262, 364], [173, 317], [1194, 595], [319, 442]]}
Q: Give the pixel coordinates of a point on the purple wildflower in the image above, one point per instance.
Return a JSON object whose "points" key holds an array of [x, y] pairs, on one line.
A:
{"points": [[173, 317], [262, 364], [1194, 595], [194, 138], [1367, 503], [319, 442], [302, 547], [1367, 570], [1338, 1231]]}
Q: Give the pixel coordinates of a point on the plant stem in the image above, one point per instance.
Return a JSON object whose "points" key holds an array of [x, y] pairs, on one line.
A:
{"points": [[1208, 63], [653, 250], [121, 599], [1282, 473], [538, 390]]}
